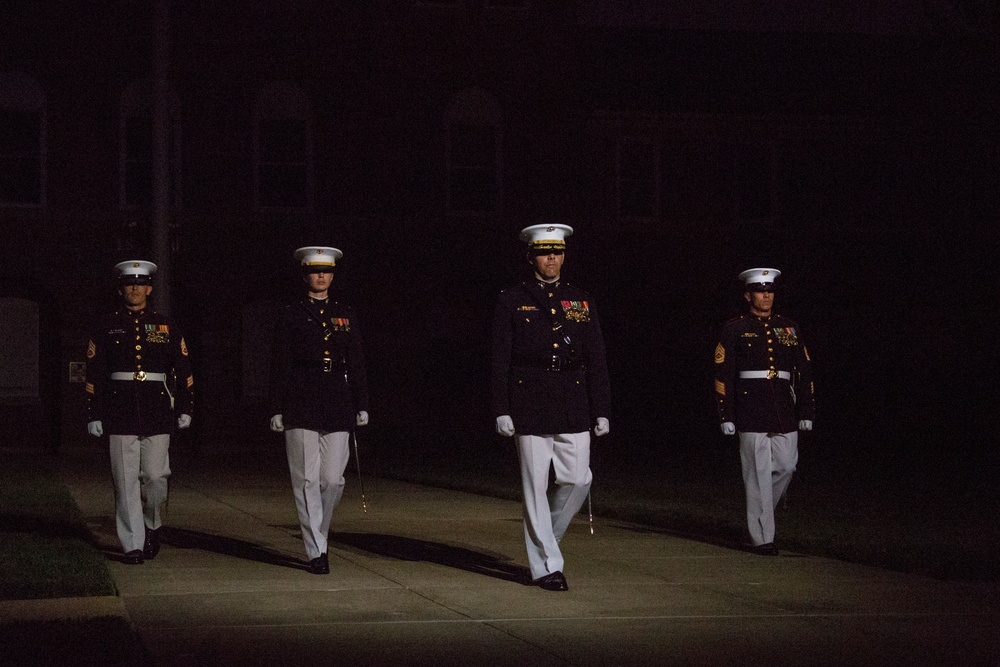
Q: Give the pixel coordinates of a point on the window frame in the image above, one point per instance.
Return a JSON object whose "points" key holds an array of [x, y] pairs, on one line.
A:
{"points": [[656, 203], [21, 93], [765, 183], [474, 108], [283, 101], [137, 102]]}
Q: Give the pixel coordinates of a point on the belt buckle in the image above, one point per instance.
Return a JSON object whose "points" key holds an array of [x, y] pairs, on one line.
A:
{"points": [[555, 363], [327, 364], [771, 374], [139, 375]]}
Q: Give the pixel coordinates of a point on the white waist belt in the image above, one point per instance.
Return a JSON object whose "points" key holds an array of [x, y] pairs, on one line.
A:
{"points": [[765, 375], [139, 375]]}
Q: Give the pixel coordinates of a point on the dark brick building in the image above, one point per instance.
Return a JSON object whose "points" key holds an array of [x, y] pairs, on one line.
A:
{"points": [[856, 151]]}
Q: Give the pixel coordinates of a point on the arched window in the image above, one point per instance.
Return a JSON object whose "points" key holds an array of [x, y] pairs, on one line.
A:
{"points": [[22, 141], [474, 153], [283, 148], [135, 146], [638, 172], [753, 174]]}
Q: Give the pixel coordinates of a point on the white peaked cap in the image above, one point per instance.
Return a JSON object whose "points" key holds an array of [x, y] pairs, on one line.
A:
{"points": [[546, 237], [317, 256], [135, 268], [759, 276]]}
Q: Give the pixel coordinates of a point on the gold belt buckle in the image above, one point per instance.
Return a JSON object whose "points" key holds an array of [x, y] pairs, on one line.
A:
{"points": [[327, 364], [771, 374], [139, 375]]}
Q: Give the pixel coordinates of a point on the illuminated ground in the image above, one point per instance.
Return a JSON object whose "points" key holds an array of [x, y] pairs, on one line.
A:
{"points": [[436, 577]]}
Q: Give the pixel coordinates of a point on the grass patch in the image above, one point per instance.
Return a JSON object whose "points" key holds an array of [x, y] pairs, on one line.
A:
{"points": [[45, 548], [39, 566], [46, 552]]}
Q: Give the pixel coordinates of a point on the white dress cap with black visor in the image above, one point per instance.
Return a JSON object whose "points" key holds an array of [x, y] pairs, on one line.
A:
{"points": [[135, 272], [760, 280], [546, 237], [317, 259]]}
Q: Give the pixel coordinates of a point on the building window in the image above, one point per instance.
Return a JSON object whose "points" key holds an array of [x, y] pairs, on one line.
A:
{"points": [[753, 182], [473, 172], [283, 155], [137, 168], [638, 178], [474, 156], [135, 183], [284, 166], [22, 142], [19, 355]]}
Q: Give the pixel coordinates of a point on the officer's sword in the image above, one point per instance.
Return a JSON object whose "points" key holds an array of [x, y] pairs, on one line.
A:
{"points": [[590, 512], [357, 460]]}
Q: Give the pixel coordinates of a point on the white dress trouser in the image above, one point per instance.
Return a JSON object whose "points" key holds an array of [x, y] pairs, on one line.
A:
{"points": [[140, 468], [316, 461], [546, 517], [768, 463]]}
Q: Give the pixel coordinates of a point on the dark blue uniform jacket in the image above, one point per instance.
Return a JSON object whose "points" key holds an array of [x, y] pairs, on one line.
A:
{"points": [[548, 369], [763, 405], [135, 342], [318, 379]]}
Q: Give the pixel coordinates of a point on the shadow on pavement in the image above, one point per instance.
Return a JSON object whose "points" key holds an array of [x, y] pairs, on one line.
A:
{"points": [[183, 538], [405, 548]]}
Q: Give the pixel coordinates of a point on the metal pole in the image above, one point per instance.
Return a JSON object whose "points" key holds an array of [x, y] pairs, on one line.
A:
{"points": [[161, 157], [357, 461]]}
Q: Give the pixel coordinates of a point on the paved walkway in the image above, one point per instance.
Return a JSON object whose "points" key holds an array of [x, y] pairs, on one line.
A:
{"points": [[434, 577]]}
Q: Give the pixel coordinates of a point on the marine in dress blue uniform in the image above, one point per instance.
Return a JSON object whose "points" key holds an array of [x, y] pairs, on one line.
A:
{"points": [[318, 395], [138, 378], [549, 387], [764, 392]]}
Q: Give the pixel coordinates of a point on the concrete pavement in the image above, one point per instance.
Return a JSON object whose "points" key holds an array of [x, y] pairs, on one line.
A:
{"points": [[435, 577]]}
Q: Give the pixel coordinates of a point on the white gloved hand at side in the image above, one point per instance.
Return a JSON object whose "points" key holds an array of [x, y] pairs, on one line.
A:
{"points": [[728, 428], [183, 421], [805, 425], [505, 425], [603, 427], [276, 424], [95, 428], [362, 418]]}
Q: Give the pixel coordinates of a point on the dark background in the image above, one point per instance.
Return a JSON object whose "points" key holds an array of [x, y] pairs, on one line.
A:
{"points": [[859, 156]]}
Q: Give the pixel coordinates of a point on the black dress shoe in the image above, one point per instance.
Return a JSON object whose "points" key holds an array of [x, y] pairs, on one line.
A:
{"points": [[766, 549], [320, 565], [133, 558], [553, 582], [152, 545]]}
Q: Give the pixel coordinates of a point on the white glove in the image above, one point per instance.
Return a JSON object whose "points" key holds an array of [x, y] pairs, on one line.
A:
{"points": [[505, 425], [602, 427], [362, 418], [728, 428], [183, 421], [95, 428], [805, 425], [276, 424]]}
